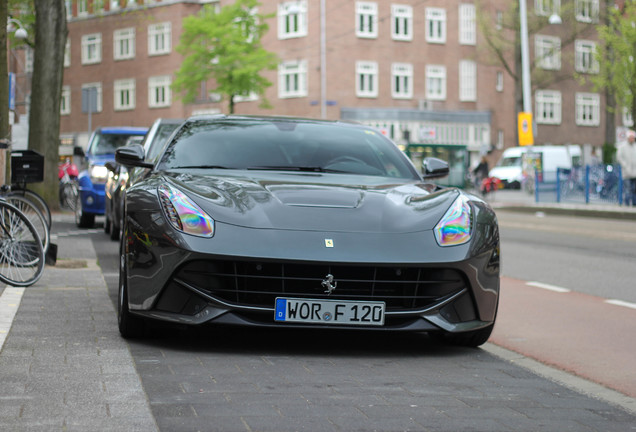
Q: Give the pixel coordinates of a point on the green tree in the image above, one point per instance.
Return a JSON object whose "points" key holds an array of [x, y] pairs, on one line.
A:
{"points": [[616, 54], [225, 45]]}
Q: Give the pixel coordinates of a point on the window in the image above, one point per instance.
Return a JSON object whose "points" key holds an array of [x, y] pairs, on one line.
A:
{"points": [[292, 19], [586, 10], [547, 7], [65, 103], [584, 59], [548, 52], [500, 139], [467, 81], [28, 60], [499, 86], [628, 120], [98, 6], [548, 106], [402, 80], [436, 25], [366, 19], [97, 91], [124, 95], [588, 109], [82, 7], [436, 82], [159, 38], [92, 48], [68, 5], [124, 44], [467, 24], [249, 97], [292, 79], [159, 91], [499, 20], [114, 5], [67, 53], [401, 22], [366, 79]]}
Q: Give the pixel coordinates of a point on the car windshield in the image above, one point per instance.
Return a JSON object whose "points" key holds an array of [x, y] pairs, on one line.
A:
{"points": [[288, 145], [163, 132], [510, 161], [107, 143]]}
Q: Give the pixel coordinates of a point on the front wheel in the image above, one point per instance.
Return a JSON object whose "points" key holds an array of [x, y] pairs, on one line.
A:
{"points": [[129, 325]]}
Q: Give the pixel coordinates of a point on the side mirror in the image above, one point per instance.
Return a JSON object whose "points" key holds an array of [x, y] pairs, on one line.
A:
{"points": [[78, 151], [111, 166], [132, 155], [434, 168]]}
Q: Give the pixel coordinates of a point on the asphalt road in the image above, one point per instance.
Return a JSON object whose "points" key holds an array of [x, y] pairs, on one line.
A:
{"points": [[232, 379]]}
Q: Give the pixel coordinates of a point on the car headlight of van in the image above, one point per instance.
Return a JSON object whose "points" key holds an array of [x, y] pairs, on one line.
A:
{"points": [[455, 228], [183, 213], [98, 173]]}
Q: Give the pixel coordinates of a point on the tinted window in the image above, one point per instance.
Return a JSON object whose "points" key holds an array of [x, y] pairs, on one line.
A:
{"points": [[262, 144], [155, 147]]}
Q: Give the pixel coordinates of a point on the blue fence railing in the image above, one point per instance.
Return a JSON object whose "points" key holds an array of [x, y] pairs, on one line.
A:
{"points": [[590, 184]]}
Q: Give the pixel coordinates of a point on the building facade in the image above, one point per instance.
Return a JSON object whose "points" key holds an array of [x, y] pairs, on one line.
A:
{"points": [[422, 72]]}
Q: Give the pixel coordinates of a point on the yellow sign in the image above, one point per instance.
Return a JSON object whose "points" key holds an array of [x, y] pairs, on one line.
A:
{"points": [[524, 124]]}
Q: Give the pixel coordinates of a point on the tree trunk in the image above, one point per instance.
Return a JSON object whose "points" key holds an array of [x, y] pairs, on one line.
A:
{"points": [[46, 92]]}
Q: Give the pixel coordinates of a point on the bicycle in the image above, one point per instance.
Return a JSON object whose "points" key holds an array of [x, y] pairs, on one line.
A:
{"points": [[21, 190], [32, 212], [69, 188], [22, 256]]}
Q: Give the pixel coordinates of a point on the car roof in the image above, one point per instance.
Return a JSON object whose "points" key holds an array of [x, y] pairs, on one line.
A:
{"points": [[236, 117], [123, 130]]}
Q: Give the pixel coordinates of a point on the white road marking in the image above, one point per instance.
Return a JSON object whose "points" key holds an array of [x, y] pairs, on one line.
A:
{"points": [[621, 303], [548, 287], [9, 304]]}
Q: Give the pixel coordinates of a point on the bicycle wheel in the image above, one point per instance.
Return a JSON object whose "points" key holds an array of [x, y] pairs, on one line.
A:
{"points": [[36, 199], [21, 252], [69, 195], [32, 212]]}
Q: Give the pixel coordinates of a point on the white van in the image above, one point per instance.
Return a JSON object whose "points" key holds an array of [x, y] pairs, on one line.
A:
{"points": [[518, 163]]}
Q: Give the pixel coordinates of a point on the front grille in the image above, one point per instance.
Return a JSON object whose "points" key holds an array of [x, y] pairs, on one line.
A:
{"points": [[257, 284]]}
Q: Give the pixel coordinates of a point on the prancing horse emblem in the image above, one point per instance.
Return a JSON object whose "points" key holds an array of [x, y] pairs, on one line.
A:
{"points": [[329, 283]]}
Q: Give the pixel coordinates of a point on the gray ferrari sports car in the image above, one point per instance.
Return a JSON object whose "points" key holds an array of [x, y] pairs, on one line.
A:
{"points": [[287, 222]]}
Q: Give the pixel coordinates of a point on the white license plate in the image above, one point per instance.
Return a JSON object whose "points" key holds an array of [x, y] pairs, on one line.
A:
{"points": [[329, 311]]}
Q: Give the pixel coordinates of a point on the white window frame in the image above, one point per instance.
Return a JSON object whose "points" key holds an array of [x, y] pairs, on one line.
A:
{"points": [[499, 84], [124, 95], [65, 103], [467, 81], [586, 11], [588, 109], [435, 25], [292, 79], [160, 38], [584, 56], [292, 19], [547, 7], [401, 22], [366, 79], [114, 5], [547, 51], [159, 93], [366, 19], [467, 24], [628, 121], [28, 60], [92, 48], [67, 53], [402, 80], [124, 44], [548, 107], [98, 6], [251, 97], [82, 8], [436, 82], [98, 87]]}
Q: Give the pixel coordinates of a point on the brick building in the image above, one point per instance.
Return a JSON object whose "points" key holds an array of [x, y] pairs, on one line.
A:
{"points": [[419, 70]]}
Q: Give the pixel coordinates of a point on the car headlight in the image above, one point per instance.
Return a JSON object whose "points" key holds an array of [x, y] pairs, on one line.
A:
{"points": [[183, 214], [455, 227], [98, 173]]}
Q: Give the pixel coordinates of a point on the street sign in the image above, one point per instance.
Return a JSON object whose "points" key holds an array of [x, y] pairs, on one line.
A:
{"points": [[11, 91], [524, 124], [89, 100]]}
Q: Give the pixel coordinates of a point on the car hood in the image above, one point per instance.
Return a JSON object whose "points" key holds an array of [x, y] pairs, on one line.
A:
{"points": [[317, 202]]}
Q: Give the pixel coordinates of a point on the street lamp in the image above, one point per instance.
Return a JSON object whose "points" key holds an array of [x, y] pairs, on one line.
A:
{"points": [[20, 32]]}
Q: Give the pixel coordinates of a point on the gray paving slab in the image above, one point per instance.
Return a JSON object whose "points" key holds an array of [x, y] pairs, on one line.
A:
{"points": [[63, 365]]}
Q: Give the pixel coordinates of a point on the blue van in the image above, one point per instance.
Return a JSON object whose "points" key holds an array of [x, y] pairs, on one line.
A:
{"points": [[92, 179]]}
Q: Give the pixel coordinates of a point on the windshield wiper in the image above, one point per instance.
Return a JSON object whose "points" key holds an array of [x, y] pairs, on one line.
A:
{"points": [[287, 168]]}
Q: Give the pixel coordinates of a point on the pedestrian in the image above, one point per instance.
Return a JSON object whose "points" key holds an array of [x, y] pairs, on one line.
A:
{"points": [[594, 159], [480, 172], [626, 157]]}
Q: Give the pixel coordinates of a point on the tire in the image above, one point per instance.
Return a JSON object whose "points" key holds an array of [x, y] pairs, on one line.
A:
{"points": [[21, 254], [129, 325], [33, 213], [37, 200], [69, 195], [83, 220], [107, 224], [114, 229]]}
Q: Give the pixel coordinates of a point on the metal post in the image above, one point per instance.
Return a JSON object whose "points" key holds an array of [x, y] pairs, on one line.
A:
{"points": [[587, 184], [525, 57], [323, 61], [558, 185]]}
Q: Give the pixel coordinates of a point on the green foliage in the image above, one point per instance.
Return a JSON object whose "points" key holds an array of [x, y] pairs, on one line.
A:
{"points": [[23, 11], [609, 152], [225, 46], [616, 54]]}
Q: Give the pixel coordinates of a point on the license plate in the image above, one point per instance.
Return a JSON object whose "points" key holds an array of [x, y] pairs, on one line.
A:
{"points": [[329, 311]]}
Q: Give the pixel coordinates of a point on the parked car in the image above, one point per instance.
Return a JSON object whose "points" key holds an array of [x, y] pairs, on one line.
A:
{"points": [[118, 174], [298, 223], [92, 180]]}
